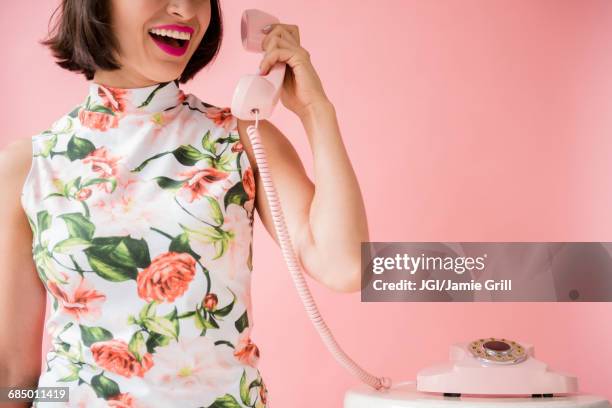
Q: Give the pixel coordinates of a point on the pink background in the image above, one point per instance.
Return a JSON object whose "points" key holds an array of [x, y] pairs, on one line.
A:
{"points": [[475, 120]]}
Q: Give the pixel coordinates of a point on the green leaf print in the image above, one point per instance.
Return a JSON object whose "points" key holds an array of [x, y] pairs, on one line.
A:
{"points": [[132, 251], [173, 316], [226, 401], [137, 345], [238, 166], [235, 195], [210, 234], [104, 386], [167, 325], [45, 266], [152, 94], [74, 374], [101, 181], [180, 243], [168, 184], [148, 310], [113, 273], [230, 138], [79, 226], [101, 109], [200, 321], [78, 148], [209, 145], [244, 389], [188, 155], [71, 245], [48, 146], [161, 325], [157, 340], [43, 220], [215, 210], [91, 335], [224, 162], [72, 187], [242, 322], [224, 311], [144, 163], [75, 112], [117, 258]]}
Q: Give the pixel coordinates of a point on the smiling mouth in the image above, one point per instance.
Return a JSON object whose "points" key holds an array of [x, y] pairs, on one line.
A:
{"points": [[173, 42]]}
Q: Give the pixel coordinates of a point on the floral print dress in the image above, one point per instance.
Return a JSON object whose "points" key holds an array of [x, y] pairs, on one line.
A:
{"points": [[141, 203]]}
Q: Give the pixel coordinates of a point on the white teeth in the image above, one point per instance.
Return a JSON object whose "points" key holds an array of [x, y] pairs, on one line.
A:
{"points": [[171, 33]]}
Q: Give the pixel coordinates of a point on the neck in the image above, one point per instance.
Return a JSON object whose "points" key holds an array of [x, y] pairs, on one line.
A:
{"points": [[122, 79]]}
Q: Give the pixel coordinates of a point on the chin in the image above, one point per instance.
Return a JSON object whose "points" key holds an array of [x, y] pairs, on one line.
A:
{"points": [[164, 76]]}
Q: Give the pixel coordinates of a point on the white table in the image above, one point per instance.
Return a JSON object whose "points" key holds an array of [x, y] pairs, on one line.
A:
{"points": [[404, 395]]}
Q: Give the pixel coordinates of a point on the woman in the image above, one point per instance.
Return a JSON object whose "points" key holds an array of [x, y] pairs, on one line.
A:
{"points": [[138, 207]]}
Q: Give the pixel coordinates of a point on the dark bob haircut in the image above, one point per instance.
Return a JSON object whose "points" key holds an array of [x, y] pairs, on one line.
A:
{"points": [[81, 39]]}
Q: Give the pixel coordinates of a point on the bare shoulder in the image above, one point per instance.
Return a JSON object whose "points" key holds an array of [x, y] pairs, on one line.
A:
{"points": [[15, 161]]}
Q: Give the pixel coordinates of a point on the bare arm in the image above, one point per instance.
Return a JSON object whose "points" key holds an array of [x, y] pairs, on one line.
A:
{"points": [[326, 222], [22, 294]]}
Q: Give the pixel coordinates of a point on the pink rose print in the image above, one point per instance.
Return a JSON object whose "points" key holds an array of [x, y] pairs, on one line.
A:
{"points": [[83, 301], [248, 181], [97, 120], [221, 116], [200, 179], [246, 351], [181, 96], [263, 393], [103, 165], [210, 302], [114, 355], [83, 194], [167, 277], [113, 98], [237, 147]]}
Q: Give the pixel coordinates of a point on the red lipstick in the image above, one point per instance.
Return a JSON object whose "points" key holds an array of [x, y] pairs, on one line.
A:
{"points": [[176, 47]]}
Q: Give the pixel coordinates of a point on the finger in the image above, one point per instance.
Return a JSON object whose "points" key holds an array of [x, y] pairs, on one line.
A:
{"points": [[279, 30], [278, 42], [295, 32], [286, 55], [292, 30]]}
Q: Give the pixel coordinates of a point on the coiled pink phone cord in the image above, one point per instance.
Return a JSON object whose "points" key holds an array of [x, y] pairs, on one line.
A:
{"points": [[296, 270]]}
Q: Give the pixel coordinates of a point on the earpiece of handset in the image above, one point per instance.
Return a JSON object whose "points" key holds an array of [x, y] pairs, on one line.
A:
{"points": [[256, 92]]}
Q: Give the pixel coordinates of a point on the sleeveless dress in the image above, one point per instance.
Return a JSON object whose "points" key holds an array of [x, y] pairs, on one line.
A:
{"points": [[141, 203]]}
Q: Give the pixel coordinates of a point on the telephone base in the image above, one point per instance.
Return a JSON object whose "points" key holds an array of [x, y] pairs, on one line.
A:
{"points": [[405, 395]]}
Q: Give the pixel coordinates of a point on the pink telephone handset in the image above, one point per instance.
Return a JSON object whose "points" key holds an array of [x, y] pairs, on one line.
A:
{"points": [[254, 99], [257, 95]]}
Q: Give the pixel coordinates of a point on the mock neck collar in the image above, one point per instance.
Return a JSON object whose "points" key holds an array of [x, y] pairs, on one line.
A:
{"points": [[153, 98]]}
